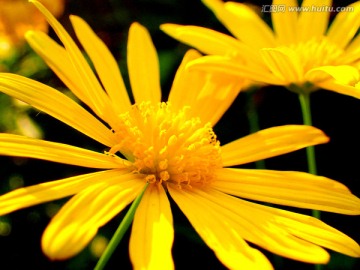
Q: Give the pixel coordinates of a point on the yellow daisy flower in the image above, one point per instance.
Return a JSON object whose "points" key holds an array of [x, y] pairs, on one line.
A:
{"points": [[172, 147], [19, 16], [300, 50]]}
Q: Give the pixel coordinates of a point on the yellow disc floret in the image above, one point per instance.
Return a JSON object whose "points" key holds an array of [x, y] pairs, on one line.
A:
{"points": [[167, 146]]}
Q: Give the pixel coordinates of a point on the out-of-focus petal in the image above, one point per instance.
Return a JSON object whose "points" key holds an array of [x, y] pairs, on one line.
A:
{"points": [[284, 23]]}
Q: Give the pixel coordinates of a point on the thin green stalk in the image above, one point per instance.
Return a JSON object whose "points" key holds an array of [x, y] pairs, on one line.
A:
{"points": [[118, 235]]}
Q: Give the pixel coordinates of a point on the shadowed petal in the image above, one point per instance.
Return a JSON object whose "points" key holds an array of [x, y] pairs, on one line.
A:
{"points": [[143, 65], [79, 219], [104, 63], [20, 146], [216, 229], [49, 191], [152, 232], [288, 188], [270, 142], [56, 104]]}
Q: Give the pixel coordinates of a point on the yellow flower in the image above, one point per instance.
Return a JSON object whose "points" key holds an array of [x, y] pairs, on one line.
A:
{"points": [[171, 146], [300, 50], [19, 16]]}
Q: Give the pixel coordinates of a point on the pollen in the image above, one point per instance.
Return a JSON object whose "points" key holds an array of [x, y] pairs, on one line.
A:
{"points": [[168, 146]]}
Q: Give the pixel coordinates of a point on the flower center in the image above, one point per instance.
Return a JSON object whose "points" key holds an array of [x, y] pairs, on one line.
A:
{"points": [[317, 52], [168, 147]]}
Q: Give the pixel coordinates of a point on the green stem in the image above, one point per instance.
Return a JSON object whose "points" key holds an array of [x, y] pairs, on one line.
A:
{"points": [[310, 150], [118, 235]]}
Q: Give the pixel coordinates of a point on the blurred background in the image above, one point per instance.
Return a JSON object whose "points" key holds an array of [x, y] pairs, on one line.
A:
{"points": [[20, 232]]}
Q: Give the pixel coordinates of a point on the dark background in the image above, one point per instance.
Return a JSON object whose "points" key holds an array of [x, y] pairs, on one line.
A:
{"points": [[338, 116]]}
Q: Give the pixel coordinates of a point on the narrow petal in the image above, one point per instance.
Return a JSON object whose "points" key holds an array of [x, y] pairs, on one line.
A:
{"points": [[313, 23], [99, 100], [143, 65], [288, 188], [56, 104], [20, 146], [284, 23], [243, 23], [221, 64], [79, 219], [270, 142], [284, 63], [152, 233], [201, 90], [285, 233], [213, 226], [349, 90], [349, 20], [58, 60], [104, 63], [53, 190], [208, 41]]}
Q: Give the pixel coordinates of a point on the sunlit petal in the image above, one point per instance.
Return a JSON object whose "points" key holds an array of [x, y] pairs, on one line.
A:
{"points": [[284, 23], [152, 232], [270, 142]]}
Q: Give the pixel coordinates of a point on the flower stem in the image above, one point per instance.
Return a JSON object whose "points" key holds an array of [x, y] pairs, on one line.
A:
{"points": [[118, 235], [310, 151]]}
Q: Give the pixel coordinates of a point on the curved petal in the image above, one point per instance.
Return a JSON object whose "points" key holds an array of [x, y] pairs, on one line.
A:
{"points": [[152, 232], [284, 64], [288, 188], [285, 233], [208, 41], [58, 60], [104, 63], [53, 190], [56, 104], [284, 23], [202, 90], [313, 23], [221, 64], [79, 219], [343, 74], [349, 90], [243, 23], [94, 92], [143, 65], [349, 20], [270, 142], [213, 226], [20, 146]]}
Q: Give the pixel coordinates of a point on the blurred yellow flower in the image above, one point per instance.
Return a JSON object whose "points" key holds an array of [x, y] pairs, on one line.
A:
{"points": [[172, 146], [19, 16], [300, 49]]}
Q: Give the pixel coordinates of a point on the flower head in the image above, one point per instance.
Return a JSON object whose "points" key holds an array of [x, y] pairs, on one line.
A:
{"points": [[300, 50], [172, 146], [19, 16]]}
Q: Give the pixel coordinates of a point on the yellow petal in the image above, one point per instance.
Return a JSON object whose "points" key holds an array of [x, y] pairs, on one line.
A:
{"points": [[349, 20], [79, 219], [152, 232], [104, 63], [99, 100], [20, 146], [343, 74], [271, 142], [284, 23], [313, 23], [284, 64], [288, 188], [53, 190], [143, 65], [349, 90], [214, 63], [208, 41], [58, 60], [202, 90], [217, 231], [243, 23], [56, 104]]}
